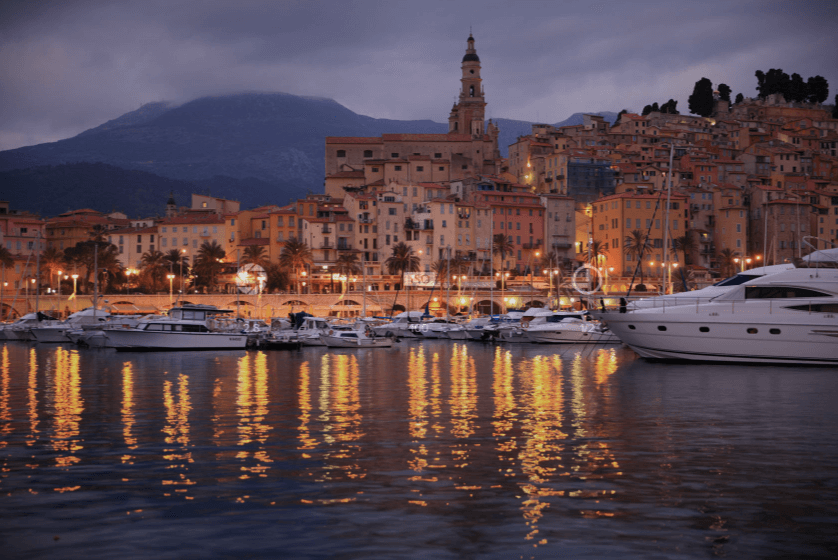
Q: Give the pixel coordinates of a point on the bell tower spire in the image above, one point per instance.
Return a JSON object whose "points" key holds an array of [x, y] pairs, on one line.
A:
{"points": [[467, 115]]}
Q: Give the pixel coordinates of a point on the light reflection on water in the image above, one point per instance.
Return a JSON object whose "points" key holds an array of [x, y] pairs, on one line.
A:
{"points": [[432, 449]]}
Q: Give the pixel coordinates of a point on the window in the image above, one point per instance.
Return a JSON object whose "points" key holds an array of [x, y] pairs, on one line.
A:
{"points": [[391, 211], [420, 168], [367, 153], [398, 168]]}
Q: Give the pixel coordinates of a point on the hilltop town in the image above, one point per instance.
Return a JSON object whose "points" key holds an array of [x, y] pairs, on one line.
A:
{"points": [[756, 182]]}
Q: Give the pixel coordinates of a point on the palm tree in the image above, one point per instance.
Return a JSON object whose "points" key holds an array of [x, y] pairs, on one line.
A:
{"points": [[278, 277], [97, 233], [501, 245], [52, 260], [153, 270], [727, 262], [209, 262], [635, 245], [685, 244], [110, 267], [347, 264], [178, 264], [296, 254], [401, 261], [596, 249], [6, 256], [255, 254]]}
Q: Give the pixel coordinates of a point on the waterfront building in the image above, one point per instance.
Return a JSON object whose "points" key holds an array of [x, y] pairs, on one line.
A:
{"points": [[468, 149]]}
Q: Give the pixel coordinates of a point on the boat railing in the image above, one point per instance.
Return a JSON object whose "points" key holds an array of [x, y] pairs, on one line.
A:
{"points": [[609, 305]]}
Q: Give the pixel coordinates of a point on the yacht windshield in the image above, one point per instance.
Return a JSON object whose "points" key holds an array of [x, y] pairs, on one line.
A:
{"points": [[738, 279]]}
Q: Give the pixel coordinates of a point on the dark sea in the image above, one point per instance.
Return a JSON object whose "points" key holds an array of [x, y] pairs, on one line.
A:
{"points": [[431, 449]]}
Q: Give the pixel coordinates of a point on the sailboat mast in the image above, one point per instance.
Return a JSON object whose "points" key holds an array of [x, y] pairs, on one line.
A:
{"points": [[666, 271]]}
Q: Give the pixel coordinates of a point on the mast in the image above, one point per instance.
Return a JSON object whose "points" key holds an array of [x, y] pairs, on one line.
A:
{"points": [[38, 273], [668, 272], [95, 277]]}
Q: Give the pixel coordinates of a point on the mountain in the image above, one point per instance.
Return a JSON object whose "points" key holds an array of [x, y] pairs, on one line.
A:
{"points": [[251, 147]]}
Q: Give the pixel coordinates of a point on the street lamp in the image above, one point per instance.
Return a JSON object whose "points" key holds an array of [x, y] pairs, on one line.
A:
{"points": [[171, 278], [182, 261]]}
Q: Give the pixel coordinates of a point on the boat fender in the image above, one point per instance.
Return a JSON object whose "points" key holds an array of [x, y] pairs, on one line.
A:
{"points": [[389, 334]]}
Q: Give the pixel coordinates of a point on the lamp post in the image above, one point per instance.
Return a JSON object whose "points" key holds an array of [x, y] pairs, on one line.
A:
{"points": [[60, 272], [182, 261], [171, 278]]}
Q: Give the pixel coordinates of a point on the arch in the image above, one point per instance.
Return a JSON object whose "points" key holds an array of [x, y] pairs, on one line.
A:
{"points": [[398, 308], [534, 303], [347, 302], [239, 302], [9, 313], [294, 302], [487, 307]]}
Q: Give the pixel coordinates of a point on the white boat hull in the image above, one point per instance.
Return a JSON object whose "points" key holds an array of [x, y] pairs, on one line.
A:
{"points": [[784, 341], [572, 336], [132, 339], [339, 342]]}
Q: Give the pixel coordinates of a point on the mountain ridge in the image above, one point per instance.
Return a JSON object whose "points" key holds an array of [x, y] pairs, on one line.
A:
{"points": [[253, 146]]}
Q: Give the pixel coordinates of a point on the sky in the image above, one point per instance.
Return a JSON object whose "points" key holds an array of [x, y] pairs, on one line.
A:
{"points": [[68, 66]]}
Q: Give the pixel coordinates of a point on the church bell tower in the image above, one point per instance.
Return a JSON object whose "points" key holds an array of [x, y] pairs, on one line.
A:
{"points": [[467, 115]]}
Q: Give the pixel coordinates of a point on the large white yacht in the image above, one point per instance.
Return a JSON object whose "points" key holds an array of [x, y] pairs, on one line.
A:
{"points": [[787, 317], [57, 331], [190, 327]]}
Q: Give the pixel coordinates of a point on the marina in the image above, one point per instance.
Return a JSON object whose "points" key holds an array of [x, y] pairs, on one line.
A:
{"points": [[446, 449]]}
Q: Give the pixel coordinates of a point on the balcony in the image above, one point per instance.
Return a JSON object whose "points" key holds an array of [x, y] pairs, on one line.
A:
{"points": [[344, 247], [327, 245], [327, 229], [418, 224], [532, 245]]}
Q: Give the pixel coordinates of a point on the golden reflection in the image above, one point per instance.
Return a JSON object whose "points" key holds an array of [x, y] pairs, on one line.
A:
{"points": [[252, 406], [32, 394], [68, 406], [340, 404], [605, 364], [504, 397], [128, 409], [177, 403], [543, 436], [418, 406], [305, 437], [5, 409], [463, 400], [417, 392]]}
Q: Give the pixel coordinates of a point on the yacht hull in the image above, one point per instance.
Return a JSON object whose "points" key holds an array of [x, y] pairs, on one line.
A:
{"points": [[713, 339], [136, 340]]}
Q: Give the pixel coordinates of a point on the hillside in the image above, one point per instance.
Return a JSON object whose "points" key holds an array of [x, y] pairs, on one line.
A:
{"points": [[252, 147]]}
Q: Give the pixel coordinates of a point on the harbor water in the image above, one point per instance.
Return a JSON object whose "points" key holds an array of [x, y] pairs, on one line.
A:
{"points": [[429, 449]]}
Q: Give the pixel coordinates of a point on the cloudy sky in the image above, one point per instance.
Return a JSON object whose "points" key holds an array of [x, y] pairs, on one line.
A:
{"points": [[71, 65]]}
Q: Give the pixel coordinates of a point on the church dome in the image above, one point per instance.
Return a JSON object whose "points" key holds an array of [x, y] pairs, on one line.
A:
{"points": [[471, 57]]}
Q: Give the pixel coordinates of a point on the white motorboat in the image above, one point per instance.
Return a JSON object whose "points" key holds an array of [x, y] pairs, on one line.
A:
{"points": [[310, 329], [403, 325], [190, 327], [788, 317], [20, 329], [359, 336], [436, 328], [58, 331], [569, 328]]}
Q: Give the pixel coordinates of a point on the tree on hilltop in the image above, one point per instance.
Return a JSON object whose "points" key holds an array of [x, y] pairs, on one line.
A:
{"points": [[724, 92], [701, 100], [818, 89]]}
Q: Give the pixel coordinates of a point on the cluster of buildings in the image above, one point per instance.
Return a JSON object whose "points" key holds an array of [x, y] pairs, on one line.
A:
{"points": [[758, 180]]}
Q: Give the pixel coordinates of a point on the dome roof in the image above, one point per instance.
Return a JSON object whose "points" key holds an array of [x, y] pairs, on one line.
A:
{"points": [[471, 57]]}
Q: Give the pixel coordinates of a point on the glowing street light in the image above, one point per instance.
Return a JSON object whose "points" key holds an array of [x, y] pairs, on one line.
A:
{"points": [[171, 278]]}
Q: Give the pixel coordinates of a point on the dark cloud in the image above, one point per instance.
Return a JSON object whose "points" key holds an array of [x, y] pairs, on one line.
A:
{"points": [[69, 66]]}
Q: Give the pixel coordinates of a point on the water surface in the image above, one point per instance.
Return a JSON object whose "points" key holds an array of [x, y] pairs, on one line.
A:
{"points": [[430, 449]]}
